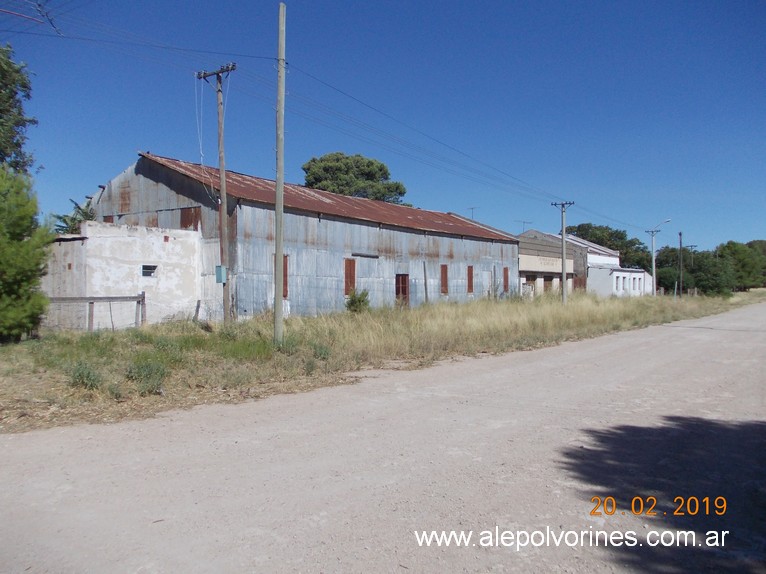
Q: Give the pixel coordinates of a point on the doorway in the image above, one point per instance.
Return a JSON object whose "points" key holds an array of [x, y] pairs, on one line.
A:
{"points": [[403, 289]]}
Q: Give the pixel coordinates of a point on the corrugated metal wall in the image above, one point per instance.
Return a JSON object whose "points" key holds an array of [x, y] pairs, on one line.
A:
{"points": [[316, 247]]}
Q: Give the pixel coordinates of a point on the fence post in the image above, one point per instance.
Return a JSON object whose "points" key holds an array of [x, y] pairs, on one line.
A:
{"points": [[143, 307], [91, 307]]}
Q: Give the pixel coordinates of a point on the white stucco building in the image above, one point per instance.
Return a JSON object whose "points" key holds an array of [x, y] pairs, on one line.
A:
{"points": [[108, 260], [605, 275]]}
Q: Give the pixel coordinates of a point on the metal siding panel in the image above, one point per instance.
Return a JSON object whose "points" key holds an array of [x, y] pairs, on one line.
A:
{"points": [[318, 246]]}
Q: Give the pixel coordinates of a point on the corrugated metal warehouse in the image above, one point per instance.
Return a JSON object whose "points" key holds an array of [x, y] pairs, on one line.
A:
{"points": [[333, 244]]}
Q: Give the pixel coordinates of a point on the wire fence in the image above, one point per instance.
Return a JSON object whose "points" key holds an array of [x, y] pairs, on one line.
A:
{"points": [[92, 313]]}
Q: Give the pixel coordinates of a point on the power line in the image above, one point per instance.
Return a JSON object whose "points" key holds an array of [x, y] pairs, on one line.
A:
{"points": [[424, 134], [507, 183], [156, 46], [19, 15]]}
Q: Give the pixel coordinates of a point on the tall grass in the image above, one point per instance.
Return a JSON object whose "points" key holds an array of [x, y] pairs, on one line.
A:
{"points": [[174, 361], [345, 341]]}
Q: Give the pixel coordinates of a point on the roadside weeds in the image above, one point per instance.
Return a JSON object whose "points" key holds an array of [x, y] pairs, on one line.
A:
{"points": [[103, 377]]}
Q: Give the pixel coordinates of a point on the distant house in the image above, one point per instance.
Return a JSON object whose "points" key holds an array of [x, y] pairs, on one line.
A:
{"points": [[597, 268], [605, 275], [540, 264], [332, 244]]}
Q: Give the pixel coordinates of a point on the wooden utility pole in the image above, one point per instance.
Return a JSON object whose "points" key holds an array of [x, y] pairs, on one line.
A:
{"points": [[223, 207], [279, 204], [563, 206]]}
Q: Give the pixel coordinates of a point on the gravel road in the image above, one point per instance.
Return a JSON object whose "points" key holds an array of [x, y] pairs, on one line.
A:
{"points": [[340, 479]]}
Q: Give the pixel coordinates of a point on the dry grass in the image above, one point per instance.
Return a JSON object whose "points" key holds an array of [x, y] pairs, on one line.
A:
{"points": [[67, 378]]}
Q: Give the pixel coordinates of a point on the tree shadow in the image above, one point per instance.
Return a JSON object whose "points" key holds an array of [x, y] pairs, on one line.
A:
{"points": [[686, 457]]}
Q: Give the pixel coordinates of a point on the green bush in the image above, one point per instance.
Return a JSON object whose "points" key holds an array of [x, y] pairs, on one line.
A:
{"points": [[148, 377], [290, 344], [114, 391], [321, 351], [169, 350], [358, 301], [83, 376]]}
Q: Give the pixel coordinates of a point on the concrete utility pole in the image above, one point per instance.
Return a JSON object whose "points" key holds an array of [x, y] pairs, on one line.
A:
{"points": [[279, 205], [654, 231], [680, 265], [691, 249], [223, 208], [563, 206]]}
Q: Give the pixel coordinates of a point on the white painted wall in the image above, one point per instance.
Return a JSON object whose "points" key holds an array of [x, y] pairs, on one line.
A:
{"points": [[611, 281], [112, 262], [597, 260], [539, 264]]}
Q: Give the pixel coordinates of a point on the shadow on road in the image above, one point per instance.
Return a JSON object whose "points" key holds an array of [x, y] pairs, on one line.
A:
{"points": [[684, 457]]}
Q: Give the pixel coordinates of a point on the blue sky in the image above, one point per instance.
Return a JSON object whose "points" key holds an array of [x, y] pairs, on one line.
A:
{"points": [[636, 111]]}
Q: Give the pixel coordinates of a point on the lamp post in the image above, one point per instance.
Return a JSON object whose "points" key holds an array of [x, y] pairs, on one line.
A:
{"points": [[654, 231]]}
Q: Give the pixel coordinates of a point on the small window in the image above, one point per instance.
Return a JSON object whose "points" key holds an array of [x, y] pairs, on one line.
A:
{"points": [[148, 271], [470, 278], [444, 280]]}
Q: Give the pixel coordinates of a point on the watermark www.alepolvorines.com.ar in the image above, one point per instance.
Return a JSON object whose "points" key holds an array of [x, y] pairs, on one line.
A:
{"points": [[520, 539]]}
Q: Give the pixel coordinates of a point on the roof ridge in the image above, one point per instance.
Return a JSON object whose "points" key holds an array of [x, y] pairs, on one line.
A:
{"points": [[304, 198]]}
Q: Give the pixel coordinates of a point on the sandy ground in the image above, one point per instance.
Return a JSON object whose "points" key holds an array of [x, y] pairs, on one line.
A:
{"points": [[339, 480]]}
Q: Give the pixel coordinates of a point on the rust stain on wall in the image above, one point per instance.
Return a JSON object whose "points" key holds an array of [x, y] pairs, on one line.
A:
{"points": [[125, 198], [190, 217]]}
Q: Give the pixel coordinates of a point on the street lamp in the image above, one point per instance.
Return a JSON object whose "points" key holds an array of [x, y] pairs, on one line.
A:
{"points": [[654, 231]]}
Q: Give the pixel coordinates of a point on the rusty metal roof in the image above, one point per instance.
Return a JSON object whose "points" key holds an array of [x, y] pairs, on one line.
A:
{"points": [[302, 198]]}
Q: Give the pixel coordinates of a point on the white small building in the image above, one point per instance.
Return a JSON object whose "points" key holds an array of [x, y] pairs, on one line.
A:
{"points": [[106, 260], [605, 276], [608, 280], [601, 267]]}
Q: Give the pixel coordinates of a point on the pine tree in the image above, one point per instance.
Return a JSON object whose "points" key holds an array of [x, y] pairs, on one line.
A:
{"points": [[15, 88], [23, 251]]}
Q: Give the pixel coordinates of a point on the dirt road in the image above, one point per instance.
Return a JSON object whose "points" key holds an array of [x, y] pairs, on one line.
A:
{"points": [[340, 479]]}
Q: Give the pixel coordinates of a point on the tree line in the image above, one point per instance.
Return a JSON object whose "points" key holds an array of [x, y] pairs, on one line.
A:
{"points": [[730, 267]]}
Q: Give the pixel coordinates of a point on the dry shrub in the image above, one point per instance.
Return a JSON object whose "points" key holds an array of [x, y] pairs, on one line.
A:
{"points": [[183, 363]]}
